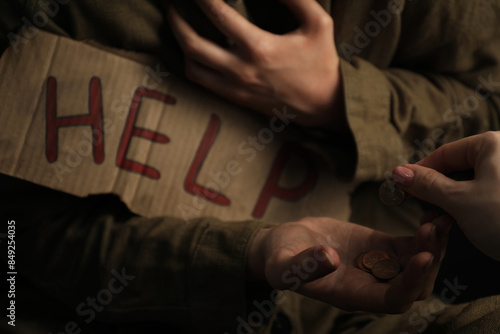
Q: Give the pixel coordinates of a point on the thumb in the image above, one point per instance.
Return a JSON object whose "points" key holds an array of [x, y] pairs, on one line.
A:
{"points": [[306, 266], [427, 184]]}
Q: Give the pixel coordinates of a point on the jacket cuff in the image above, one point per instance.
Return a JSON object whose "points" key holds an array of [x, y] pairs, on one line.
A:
{"points": [[367, 96], [217, 286]]}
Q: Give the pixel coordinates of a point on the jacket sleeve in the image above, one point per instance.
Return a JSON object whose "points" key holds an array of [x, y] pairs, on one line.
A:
{"points": [[108, 264], [441, 84]]}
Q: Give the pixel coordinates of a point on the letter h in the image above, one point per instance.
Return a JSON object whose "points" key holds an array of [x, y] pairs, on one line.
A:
{"points": [[94, 119]]}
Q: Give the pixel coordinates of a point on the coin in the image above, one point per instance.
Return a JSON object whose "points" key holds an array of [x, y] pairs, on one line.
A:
{"points": [[378, 263], [391, 195], [373, 257], [359, 262], [385, 269]]}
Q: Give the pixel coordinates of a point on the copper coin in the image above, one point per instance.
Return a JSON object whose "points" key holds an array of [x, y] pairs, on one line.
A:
{"points": [[359, 262], [385, 269], [391, 195], [372, 257]]}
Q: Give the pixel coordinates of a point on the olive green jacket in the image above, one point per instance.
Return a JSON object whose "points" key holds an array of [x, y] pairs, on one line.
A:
{"points": [[415, 74]]}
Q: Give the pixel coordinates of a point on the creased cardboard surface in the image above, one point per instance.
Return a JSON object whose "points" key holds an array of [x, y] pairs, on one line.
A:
{"points": [[85, 121]]}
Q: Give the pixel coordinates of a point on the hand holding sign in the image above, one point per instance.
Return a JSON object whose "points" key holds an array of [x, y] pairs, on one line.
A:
{"points": [[262, 70], [316, 257]]}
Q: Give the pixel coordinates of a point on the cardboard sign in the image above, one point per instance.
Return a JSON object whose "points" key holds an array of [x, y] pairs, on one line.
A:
{"points": [[85, 121]]}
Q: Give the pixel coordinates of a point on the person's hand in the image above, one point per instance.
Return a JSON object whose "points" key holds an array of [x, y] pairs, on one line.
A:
{"points": [[262, 71], [315, 257], [475, 204]]}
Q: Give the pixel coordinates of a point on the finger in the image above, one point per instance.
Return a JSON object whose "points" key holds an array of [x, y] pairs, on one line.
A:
{"points": [[421, 271], [429, 216], [425, 237], [224, 86], [215, 82], [430, 185], [308, 12], [394, 296], [416, 280], [487, 156], [231, 23], [309, 265], [455, 156], [443, 224], [197, 47], [432, 238], [202, 74]]}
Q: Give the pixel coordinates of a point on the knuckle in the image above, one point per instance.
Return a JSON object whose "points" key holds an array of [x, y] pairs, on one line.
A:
{"points": [[191, 47], [429, 181], [453, 191], [325, 22], [218, 12], [262, 52], [246, 75], [242, 95], [491, 139], [308, 221]]}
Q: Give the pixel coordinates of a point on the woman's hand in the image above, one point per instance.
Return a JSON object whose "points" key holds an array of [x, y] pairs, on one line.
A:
{"points": [[315, 257], [262, 71], [475, 204]]}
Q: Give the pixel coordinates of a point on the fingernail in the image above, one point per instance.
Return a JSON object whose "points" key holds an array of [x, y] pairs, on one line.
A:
{"points": [[432, 235], [403, 176], [329, 258], [428, 265]]}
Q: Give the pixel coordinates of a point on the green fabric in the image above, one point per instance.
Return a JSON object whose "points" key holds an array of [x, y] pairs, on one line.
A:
{"points": [[401, 85], [69, 248]]}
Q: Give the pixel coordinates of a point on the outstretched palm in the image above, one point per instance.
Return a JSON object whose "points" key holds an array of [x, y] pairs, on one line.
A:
{"points": [[296, 256]]}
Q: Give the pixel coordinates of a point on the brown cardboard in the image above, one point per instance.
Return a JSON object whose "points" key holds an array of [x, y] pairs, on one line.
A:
{"points": [[187, 153]]}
